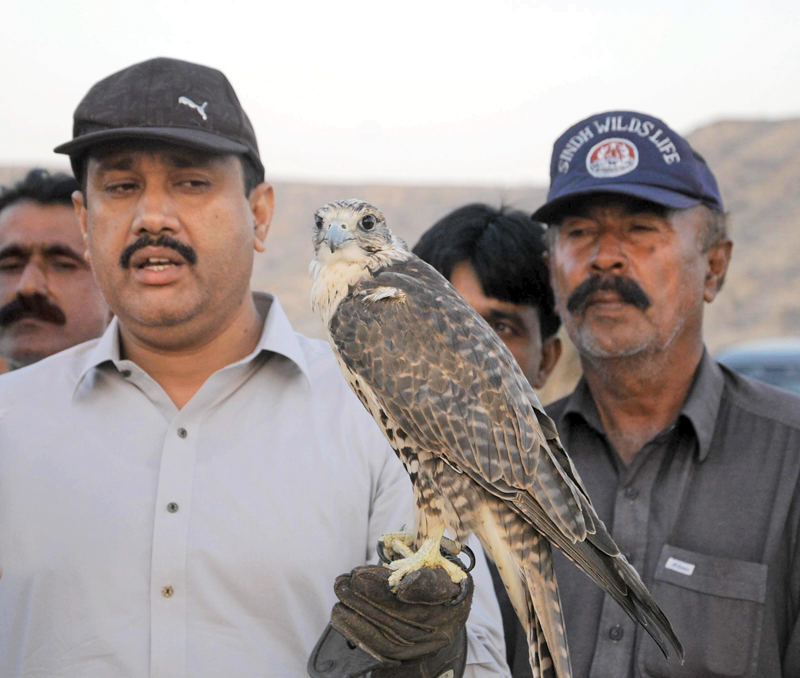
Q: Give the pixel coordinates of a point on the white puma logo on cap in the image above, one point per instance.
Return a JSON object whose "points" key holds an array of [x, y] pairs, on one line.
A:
{"points": [[186, 101]]}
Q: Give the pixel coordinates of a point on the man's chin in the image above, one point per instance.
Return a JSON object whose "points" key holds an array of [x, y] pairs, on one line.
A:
{"points": [[155, 316], [30, 328], [607, 346], [165, 319], [159, 307], [30, 354]]}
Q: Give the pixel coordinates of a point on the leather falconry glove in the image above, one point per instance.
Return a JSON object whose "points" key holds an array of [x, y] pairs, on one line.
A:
{"points": [[417, 632]]}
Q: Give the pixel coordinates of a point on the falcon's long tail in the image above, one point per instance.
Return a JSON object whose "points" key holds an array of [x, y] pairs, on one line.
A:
{"points": [[525, 563], [597, 555], [547, 638]]}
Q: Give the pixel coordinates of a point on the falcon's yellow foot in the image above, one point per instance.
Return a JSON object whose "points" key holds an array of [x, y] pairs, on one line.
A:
{"points": [[400, 543], [428, 555]]}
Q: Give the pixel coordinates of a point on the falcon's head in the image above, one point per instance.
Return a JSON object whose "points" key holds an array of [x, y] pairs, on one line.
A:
{"points": [[352, 231]]}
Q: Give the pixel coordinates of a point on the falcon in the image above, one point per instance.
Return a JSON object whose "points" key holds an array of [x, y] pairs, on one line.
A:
{"points": [[481, 453]]}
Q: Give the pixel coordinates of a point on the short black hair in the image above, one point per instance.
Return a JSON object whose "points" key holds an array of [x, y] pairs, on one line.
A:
{"points": [[506, 250], [41, 187]]}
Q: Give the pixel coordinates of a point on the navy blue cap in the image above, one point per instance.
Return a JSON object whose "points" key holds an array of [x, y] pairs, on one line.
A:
{"points": [[632, 154]]}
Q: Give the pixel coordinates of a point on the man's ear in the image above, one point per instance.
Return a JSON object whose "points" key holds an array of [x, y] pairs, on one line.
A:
{"points": [[718, 258], [551, 352], [262, 205], [79, 202]]}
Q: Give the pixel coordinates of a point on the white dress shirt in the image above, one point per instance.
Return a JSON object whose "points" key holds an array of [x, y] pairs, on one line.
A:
{"points": [[137, 539]]}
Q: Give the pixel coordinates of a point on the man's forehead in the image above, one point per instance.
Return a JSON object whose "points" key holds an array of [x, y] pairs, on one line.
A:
{"points": [[466, 281], [129, 156], [31, 222]]}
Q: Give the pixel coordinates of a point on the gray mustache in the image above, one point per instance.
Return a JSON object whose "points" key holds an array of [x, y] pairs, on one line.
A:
{"points": [[628, 291]]}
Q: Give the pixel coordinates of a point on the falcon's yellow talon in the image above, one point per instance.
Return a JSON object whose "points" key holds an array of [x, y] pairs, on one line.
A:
{"points": [[402, 549], [428, 555], [451, 546], [398, 542]]}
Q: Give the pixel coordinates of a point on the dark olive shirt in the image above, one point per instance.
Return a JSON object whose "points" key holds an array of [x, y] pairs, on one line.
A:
{"points": [[709, 513]]}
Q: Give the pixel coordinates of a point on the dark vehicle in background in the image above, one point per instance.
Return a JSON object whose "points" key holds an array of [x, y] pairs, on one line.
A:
{"points": [[775, 361]]}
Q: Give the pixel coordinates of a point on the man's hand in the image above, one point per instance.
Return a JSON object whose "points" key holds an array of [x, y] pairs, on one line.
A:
{"points": [[422, 624]]}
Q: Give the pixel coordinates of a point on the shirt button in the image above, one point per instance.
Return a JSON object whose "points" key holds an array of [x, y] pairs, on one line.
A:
{"points": [[182, 432], [172, 507], [631, 493], [168, 592], [616, 633], [126, 373]]}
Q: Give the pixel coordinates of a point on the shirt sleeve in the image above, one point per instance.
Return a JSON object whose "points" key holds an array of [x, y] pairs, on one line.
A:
{"points": [[392, 508]]}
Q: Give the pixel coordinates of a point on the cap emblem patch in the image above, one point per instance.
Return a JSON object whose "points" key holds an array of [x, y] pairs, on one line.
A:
{"points": [[612, 158], [186, 101]]}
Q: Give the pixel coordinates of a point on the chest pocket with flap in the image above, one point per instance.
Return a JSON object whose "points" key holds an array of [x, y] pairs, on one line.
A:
{"points": [[716, 606]]}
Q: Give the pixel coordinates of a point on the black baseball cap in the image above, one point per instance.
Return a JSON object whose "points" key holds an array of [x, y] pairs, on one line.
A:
{"points": [[632, 154], [164, 99]]}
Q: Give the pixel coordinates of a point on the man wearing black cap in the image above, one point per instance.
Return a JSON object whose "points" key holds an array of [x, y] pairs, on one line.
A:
{"points": [[178, 497], [693, 468]]}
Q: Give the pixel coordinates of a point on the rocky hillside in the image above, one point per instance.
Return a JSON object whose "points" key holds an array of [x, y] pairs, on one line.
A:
{"points": [[757, 164]]}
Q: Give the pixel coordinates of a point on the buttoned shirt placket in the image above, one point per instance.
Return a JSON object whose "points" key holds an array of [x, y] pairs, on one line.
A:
{"points": [[173, 507], [617, 631]]}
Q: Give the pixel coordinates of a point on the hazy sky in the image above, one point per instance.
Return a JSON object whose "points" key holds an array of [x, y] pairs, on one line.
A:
{"points": [[418, 91]]}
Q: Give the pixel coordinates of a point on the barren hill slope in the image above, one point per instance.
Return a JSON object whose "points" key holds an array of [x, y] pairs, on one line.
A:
{"points": [[757, 164]]}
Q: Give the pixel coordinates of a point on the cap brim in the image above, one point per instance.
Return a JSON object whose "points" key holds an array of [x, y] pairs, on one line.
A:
{"points": [[182, 136], [656, 194]]}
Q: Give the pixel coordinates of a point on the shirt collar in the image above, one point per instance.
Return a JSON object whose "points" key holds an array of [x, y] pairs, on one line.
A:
{"points": [[277, 336], [702, 404], [581, 403], [700, 408]]}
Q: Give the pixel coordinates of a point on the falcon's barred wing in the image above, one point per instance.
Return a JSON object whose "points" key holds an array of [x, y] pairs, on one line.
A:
{"points": [[425, 356]]}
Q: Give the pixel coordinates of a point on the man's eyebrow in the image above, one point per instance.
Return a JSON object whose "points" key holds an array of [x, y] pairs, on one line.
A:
{"points": [[115, 162], [187, 159], [61, 250], [14, 250], [513, 316]]}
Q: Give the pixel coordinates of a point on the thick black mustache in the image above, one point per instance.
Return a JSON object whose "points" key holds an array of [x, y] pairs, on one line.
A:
{"points": [[628, 291], [162, 241], [31, 306]]}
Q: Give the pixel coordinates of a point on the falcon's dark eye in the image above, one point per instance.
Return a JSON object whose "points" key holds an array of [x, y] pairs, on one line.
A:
{"points": [[318, 221], [367, 223]]}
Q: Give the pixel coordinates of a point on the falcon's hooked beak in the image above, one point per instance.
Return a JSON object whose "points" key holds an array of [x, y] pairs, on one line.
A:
{"points": [[338, 235]]}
